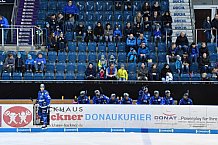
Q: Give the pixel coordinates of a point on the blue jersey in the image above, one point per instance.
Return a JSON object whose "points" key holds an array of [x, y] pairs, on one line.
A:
{"points": [[100, 100], [126, 101], [156, 100], [43, 99], [113, 101], [185, 101], [168, 101], [143, 98], [83, 100]]}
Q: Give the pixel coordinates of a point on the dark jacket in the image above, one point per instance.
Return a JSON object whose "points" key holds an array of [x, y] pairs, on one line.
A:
{"points": [[90, 72], [214, 23], [99, 31], [80, 29], [164, 71], [203, 50], [143, 71], [127, 31], [204, 61], [19, 62], [182, 41]]}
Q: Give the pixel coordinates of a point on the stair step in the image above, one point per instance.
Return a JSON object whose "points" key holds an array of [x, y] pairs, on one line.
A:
{"points": [[180, 14], [178, 4], [181, 27], [181, 20], [182, 24], [178, 1]]}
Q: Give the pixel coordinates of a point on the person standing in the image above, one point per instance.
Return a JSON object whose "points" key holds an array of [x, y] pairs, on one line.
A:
{"points": [[4, 24], [207, 29], [214, 25]]}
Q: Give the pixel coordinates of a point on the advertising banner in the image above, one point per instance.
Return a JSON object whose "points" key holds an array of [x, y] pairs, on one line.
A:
{"points": [[137, 116]]}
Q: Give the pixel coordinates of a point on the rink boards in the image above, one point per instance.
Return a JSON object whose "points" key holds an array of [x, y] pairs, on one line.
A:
{"points": [[113, 118]]}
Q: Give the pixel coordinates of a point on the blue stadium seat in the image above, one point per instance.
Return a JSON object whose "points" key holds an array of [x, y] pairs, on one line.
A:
{"points": [[50, 67], [153, 57], [173, 67], [43, 5], [28, 76], [82, 16], [17, 76], [162, 47], [60, 67], [71, 67], [42, 15], [121, 47], [91, 47], [151, 46], [60, 5], [69, 36], [137, 6], [82, 57], [109, 6], [213, 57], [71, 46], [72, 57], [118, 16], [81, 67], [70, 76], [132, 68], [62, 56], [52, 5], [6, 76], [2, 56], [44, 53], [127, 16], [81, 6], [162, 57], [176, 77], [33, 54], [194, 68], [100, 6], [196, 77], [80, 76], [92, 57], [211, 47], [99, 16], [132, 76], [49, 76], [59, 76], [38, 76], [1, 66], [90, 16], [102, 53], [111, 47], [81, 47], [40, 23], [185, 77], [52, 56], [108, 16], [122, 57], [164, 6], [101, 47], [90, 6]]}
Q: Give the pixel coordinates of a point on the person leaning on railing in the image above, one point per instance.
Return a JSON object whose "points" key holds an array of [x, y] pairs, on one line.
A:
{"points": [[4, 24]]}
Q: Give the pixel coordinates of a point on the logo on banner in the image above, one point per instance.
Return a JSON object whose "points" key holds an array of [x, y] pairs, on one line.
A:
{"points": [[17, 116]]}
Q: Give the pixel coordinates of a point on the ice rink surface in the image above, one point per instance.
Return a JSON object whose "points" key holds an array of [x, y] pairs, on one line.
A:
{"points": [[107, 139]]}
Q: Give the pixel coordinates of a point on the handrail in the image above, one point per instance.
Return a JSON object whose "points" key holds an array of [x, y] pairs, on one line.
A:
{"points": [[192, 19]]}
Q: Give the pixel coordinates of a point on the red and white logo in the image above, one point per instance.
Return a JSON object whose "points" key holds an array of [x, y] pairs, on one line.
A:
{"points": [[17, 116]]}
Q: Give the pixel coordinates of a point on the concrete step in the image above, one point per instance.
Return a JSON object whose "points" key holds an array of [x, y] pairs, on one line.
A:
{"points": [[178, 5], [178, 1], [182, 24], [177, 32], [180, 14], [181, 11], [178, 27], [181, 20]]}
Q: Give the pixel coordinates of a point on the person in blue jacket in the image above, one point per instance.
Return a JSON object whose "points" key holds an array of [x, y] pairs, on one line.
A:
{"points": [[141, 39], [126, 99], [113, 99], [144, 96], [156, 99], [193, 52], [40, 63], [44, 104], [100, 98], [143, 53], [29, 63], [117, 34], [130, 42], [71, 9], [168, 99], [4, 24], [83, 98], [186, 100]]}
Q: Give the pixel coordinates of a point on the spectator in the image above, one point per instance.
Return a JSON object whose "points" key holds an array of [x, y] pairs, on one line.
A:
{"points": [[182, 42], [185, 63], [80, 32], [178, 64], [70, 21], [29, 63], [57, 32], [143, 72], [144, 96], [146, 9], [130, 42], [127, 30], [128, 5], [137, 30], [90, 73], [147, 24], [111, 72], [156, 6], [118, 5], [113, 99], [132, 55], [138, 19], [214, 73], [207, 26], [156, 18], [203, 49], [214, 25], [122, 74], [205, 77], [112, 60], [9, 65], [61, 42], [168, 99], [157, 35], [143, 53], [172, 53], [101, 74], [186, 100], [154, 73], [71, 9], [102, 63], [83, 98], [51, 24], [126, 99], [166, 73], [204, 63], [166, 18], [19, 63], [193, 53], [100, 98], [141, 39], [117, 34], [60, 21], [52, 46], [156, 99], [108, 33], [4, 24], [40, 63], [98, 32], [89, 35]]}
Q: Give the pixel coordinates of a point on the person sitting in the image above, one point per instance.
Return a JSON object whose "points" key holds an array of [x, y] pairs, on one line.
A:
{"points": [[80, 32], [143, 72], [156, 6], [83, 98], [122, 74], [111, 72], [61, 43], [108, 33], [185, 63], [143, 53], [193, 53], [29, 64], [132, 55], [168, 99], [126, 99], [166, 73], [113, 99], [182, 42], [72, 9], [40, 63], [98, 32], [117, 34], [154, 73], [9, 65], [52, 46], [178, 64], [172, 53], [19, 63], [90, 73], [137, 30], [186, 100], [102, 63], [112, 60], [203, 49], [141, 39], [89, 35], [127, 30], [138, 19], [130, 42], [204, 63], [156, 99], [102, 74]]}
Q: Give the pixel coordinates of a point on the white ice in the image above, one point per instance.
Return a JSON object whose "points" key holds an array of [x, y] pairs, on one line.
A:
{"points": [[106, 139]]}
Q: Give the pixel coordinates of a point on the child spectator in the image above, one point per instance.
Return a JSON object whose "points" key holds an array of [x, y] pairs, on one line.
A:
{"points": [[203, 49], [108, 33], [172, 53], [143, 53], [138, 19], [9, 65], [178, 64], [154, 73], [19, 63], [61, 42], [193, 52], [111, 72], [166, 73], [132, 55], [117, 34], [102, 63], [186, 100], [204, 63], [143, 72], [98, 32], [182, 42], [40, 63], [122, 74], [126, 99], [112, 60], [141, 39], [102, 74], [89, 35], [52, 46], [29, 63], [207, 26], [185, 63], [127, 31], [70, 23], [156, 6], [156, 99], [90, 73], [70, 8], [130, 42], [80, 32]]}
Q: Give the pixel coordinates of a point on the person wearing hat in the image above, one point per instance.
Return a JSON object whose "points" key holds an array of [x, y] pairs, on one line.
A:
{"points": [[40, 63], [113, 99], [19, 63], [186, 100], [156, 99], [168, 99], [102, 62], [29, 64], [144, 96], [44, 104], [126, 99], [122, 74], [100, 98], [112, 60], [83, 98]]}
